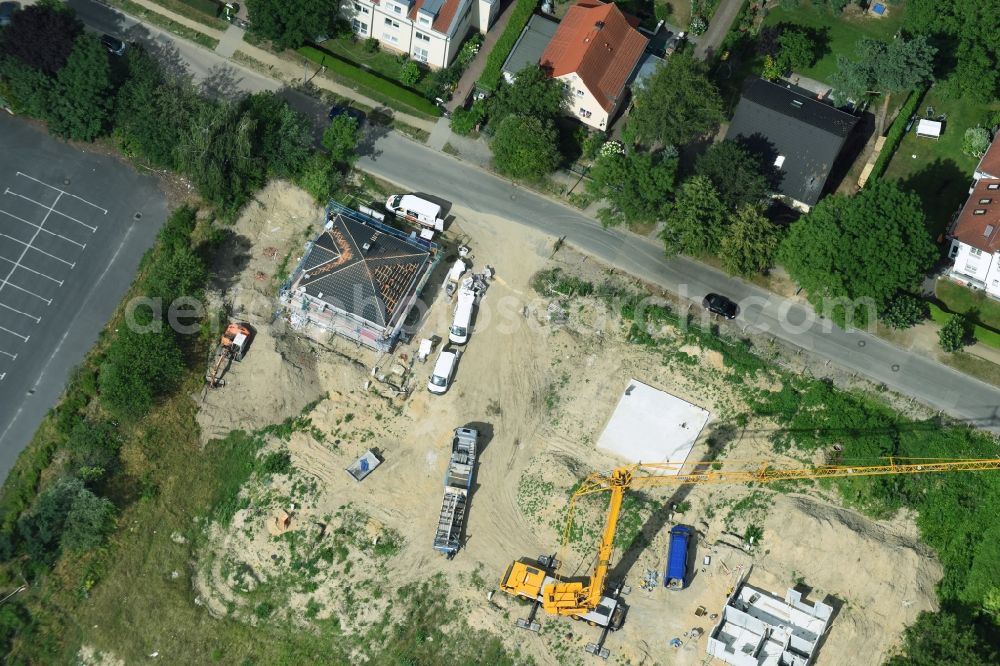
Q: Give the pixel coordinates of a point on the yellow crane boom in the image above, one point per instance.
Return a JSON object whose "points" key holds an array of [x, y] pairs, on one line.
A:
{"points": [[578, 598]]}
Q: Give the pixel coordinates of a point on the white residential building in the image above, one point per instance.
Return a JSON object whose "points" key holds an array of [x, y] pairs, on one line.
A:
{"points": [[429, 31], [975, 236]]}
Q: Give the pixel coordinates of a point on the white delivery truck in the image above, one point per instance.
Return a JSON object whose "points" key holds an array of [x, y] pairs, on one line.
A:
{"points": [[419, 211], [459, 331]]}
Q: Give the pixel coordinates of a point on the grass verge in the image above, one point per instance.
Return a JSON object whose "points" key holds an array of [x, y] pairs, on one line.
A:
{"points": [[205, 12], [490, 78], [161, 21]]}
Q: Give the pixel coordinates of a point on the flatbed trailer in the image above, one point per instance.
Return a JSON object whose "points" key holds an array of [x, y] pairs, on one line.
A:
{"points": [[457, 484]]}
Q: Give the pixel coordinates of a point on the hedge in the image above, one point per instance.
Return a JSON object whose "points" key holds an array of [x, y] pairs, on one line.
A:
{"points": [[382, 90], [490, 77], [895, 134], [987, 336]]}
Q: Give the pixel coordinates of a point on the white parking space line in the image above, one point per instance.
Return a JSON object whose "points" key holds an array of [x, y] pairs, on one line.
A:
{"points": [[13, 357], [32, 224], [15, 334], [32, 270], [27, 246], [48, 301], [61, 192], [52, 208], [29, 316]]}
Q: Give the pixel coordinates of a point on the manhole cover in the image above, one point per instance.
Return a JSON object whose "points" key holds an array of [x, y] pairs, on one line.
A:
{"points": [[137, 216], [895, 367], [513, 196], [65, 181], [861, 343]]}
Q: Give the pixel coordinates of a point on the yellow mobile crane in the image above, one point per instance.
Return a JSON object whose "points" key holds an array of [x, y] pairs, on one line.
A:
{"points": [[538, 580]]}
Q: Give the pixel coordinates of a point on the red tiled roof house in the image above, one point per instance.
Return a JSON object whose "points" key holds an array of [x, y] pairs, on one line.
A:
{"points": [[429, 31], [595, 52], [975, 236]]}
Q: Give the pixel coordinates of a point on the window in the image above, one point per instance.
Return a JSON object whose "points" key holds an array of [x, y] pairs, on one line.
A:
{"points": [[579, 93], [420, 54], [985, 201], [996, 283], [424, 20], [390, 22], [360, 27], [361, 9], [422, 36], [979, 211], [392, 39], [584, 113], [397, 9], [975, 252], [993, 186]]}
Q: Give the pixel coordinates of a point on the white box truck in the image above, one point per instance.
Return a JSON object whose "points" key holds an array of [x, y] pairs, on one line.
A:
{"points": [[414, 209], [459, 331]]}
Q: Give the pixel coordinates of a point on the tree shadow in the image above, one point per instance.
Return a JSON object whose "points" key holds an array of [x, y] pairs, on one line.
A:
{"points": [[232, 255], [852, 149], [719, 434], [175, 68], [943, 188], [222, 83], [764, 149]]}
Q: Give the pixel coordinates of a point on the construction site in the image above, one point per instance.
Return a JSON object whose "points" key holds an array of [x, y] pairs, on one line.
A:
{"points": [[520, 483]]}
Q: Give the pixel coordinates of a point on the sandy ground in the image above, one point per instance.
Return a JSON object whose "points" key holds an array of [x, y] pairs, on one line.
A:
{"points": [[540, 379]]}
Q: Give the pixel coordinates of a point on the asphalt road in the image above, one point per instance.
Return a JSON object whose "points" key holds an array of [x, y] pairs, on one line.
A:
{"points": [[415, 167], [69, 248]]}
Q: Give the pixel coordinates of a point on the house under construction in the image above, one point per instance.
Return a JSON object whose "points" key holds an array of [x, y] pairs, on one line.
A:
{"points": [[359, 279]]}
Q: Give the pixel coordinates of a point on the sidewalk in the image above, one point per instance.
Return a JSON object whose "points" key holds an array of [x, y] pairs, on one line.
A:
{"points": [[276, 66], [718, 28]]}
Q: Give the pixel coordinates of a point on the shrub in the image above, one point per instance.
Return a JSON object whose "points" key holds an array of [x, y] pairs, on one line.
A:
{"points": [[698, 25], [275, 462], [519, 18], [371, 45], [139, 366], [410, 73], [320, 177], [953, 335], [905, 311], [895, 134], [464, 121], [976, 141]]}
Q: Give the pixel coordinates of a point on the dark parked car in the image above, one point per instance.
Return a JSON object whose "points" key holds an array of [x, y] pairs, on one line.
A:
{"points": [[113, 45], [358, 116], [7, 10], [721, 306]]}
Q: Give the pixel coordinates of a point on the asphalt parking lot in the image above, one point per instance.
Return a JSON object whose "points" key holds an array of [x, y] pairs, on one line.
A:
{"points": [[73, 227]]}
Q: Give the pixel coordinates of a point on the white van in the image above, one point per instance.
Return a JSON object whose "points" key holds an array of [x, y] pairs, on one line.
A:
{"points": [[444, 367], [459, 331], [419, 211]]}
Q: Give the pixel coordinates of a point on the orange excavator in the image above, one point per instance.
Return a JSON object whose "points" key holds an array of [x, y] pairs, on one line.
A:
{"points": [[232, 346]]}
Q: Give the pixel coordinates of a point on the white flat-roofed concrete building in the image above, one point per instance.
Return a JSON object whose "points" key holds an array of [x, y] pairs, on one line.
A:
{"points": [[757, 628]]}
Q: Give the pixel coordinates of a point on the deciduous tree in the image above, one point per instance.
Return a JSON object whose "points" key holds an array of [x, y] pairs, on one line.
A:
{"points": [[341, 139], [883, 67], [41, 36], [737, 174], [80, 103], [533, 93], [750, 243], [940, 639], [696, 219], [139, 366], [283, 135], [795, 50], [637, 185], [863, 248], [291, 23], [525, 147], [320, 177], [678, 104]]}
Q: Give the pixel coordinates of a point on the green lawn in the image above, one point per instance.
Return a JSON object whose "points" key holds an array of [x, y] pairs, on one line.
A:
{"points": [[383, 63], [957, 298], [840, 32], [206, 12], [940, 173]]}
